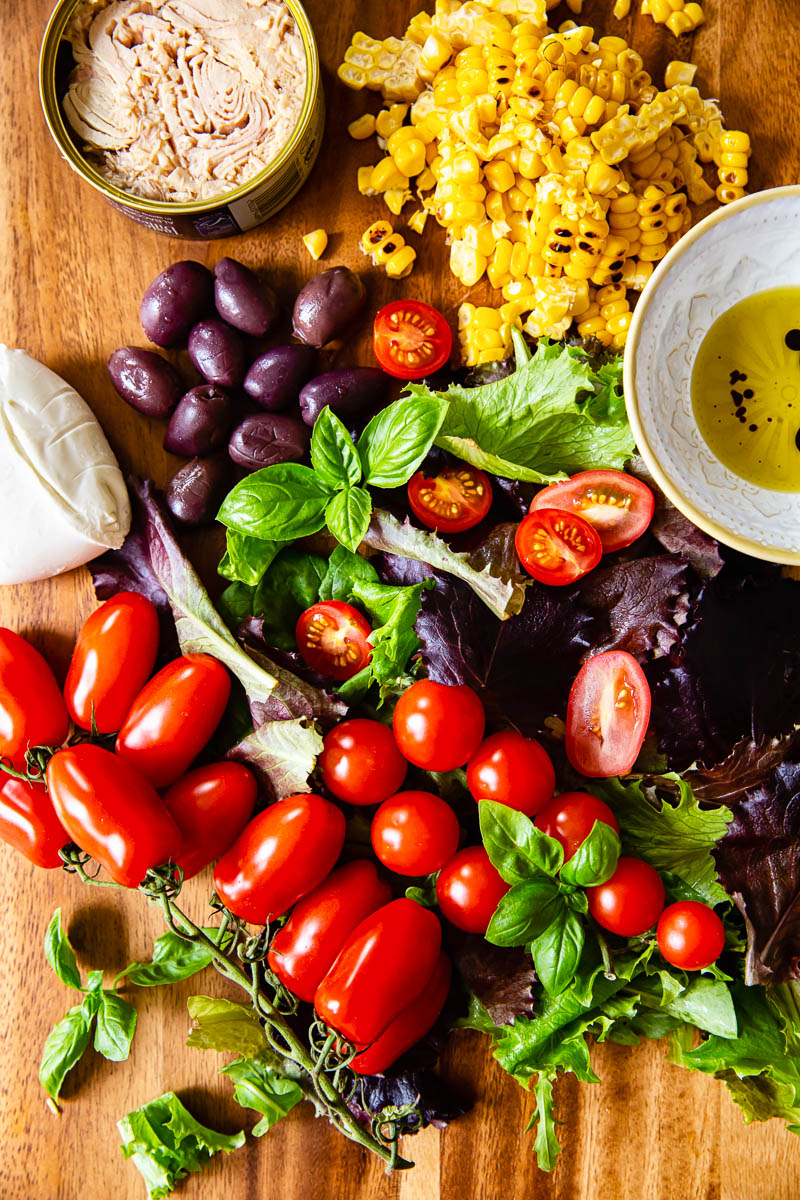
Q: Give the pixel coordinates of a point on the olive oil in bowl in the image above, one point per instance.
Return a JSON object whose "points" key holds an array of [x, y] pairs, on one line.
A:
{"points": [[746, 389]]}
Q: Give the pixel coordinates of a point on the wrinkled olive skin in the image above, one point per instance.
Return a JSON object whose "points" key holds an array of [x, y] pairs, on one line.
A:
{"points": [[264, 439], [276, 377], [242, 299], [147, 381], [327, 306], [218, 353], [197, 490], [350, 391], [201, 422], [175, 301]]}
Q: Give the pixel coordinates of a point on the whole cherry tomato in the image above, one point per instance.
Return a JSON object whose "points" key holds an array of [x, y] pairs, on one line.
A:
{"points": [[410, 1026], [690, 935], [360, 762], [173, 717], [32, 710], [112, 812], [629, 903], [112, 660], [469, 890], [607, 715], [28, 822], [438, 726], [411, 339], [512, 770], [557, 547], [456, 499], [414, 833], [332, 639], [305, 949], [211, 806], [279, 857], [569, 819]]}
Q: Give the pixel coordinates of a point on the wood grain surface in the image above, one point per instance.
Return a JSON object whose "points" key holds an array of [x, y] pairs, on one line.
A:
{"points": [[72, 274]]}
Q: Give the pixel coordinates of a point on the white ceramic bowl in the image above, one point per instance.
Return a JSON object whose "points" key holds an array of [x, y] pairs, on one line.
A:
{"points": [[750, 246]]}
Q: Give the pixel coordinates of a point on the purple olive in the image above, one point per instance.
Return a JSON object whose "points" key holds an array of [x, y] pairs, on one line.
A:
{"points": [[264, 439], [146, 380], [242, 299], [276, 377], [218, 353], [175, 301], [350, 392], [201, 422], [197, 490], [328, 305]]}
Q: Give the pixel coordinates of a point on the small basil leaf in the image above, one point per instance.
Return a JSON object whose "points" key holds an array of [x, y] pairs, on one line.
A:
{"points": [[595, 860], [348, 514], [116, 1024], [518, 849], [424, 894], [333, 455], [557, 950], [246, 558], [397, 439], [262, 1088], [576, 900], [59, 953], [174, 958], [63, 1047], [344, 569], [283, 502], [524, 912]]}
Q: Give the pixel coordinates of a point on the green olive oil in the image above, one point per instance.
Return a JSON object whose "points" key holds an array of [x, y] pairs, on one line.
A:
{"points": [[746, 389]]}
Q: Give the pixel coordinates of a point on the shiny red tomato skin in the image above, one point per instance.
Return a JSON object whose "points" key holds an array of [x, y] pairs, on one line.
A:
{"points": [[279, 857], [573, 548], [32, 709], [404, 321], [612, 750], [469, 890], [28, 822], [463, 487], [569, 819], [415, 833], [360, 762], [342, 633], [618, 523], [112, 660], [690, 935], [382, 967], [438, 726], [211, 806], [630, 902], [305, 949], [410, 1026], [173, 717], [111, 812], [512, 770]]}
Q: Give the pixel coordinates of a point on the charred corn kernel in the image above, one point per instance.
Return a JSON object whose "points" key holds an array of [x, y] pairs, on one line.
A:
{"points": [[395, 199], [385, 175], [375, 235], [736, 176], [316, 243], [401, 263], [363, 127], [390, 119], [621, 9], [498, 270], [365, 181], [388, 249], [726, 193], [467, 264], [499, 175]]}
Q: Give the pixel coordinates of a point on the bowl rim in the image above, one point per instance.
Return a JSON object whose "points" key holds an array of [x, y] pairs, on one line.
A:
{"points": [[773, 554]]}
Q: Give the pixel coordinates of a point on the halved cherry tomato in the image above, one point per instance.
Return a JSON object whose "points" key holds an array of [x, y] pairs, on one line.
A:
{"points": [[616, 505], [456, 499], [28, 822], [211, 806], [305, 949], [469, 890], [570, 818], [410, 1026], [173, 717], [438, 726], [557, 547], [112, 660], [332, 639], [360, 762], [411, 339], [512, 770], [629, 903], [607, 715], [112, 812], [32, 710], [414, 833], [280, 856], [690, 935]]}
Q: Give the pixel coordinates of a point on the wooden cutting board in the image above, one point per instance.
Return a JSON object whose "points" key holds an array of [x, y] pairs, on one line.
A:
{"points": [[72, 273]]}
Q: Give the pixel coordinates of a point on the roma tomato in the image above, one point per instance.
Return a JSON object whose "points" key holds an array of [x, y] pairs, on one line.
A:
{"points": [[469, 889], [513, 770], [211, 806], [305, 949], [607, 715], [630, 901], [616, 505], [332, 639], [557, 547], [384, 965], [410, 1026], [360, 762], [173, 717], [438, 726], [569, 819], [112, 812], [411, 339], [32, 710], [456, 499], [28, 822], [280, 856], [113, 657], [690, 935], [415, 833]]}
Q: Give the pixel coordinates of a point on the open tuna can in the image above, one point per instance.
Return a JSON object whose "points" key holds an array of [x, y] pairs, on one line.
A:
{"points": [[199, 125]]}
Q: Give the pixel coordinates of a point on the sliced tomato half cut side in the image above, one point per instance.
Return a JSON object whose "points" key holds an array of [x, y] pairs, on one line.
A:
{"points": [[332, 639], [455, 499], [607, 715], [557, 547], [411, 339], [618, 506]]}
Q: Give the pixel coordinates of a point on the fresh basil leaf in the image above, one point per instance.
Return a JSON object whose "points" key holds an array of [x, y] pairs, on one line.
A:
{"points": [[258, 1086], [59, 953], [348, 514], [223, 1025], [63, 1048], [246, 558], [557, 950], [290, 586], [524, 911], [595, 860], [116, 1025], [397, 439], [424, 894], [576, 899], [518, 849], [94, 982], [174, 958], [333, 455], [345, 569], [546, 1146], [283, 502]]}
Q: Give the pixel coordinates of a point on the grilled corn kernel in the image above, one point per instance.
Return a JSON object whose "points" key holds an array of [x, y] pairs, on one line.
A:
{"points": [[375, 236], [400, 264], [316, 243]]}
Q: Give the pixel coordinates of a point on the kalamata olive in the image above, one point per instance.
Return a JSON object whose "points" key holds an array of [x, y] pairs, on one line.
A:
{"points": [[196, 491], [146, 380], [276, 377], [349, 391], [201, 422], [175, 301], [264, 439], [242, 299], [328, 305], [217, 352]]}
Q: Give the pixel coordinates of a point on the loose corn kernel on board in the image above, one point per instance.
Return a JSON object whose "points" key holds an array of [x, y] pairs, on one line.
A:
{"points": [[74, 273]]}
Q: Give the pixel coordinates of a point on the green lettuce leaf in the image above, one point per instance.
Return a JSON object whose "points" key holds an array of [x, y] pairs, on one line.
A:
{"points": [[221, 1025], [259, 1086]]}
